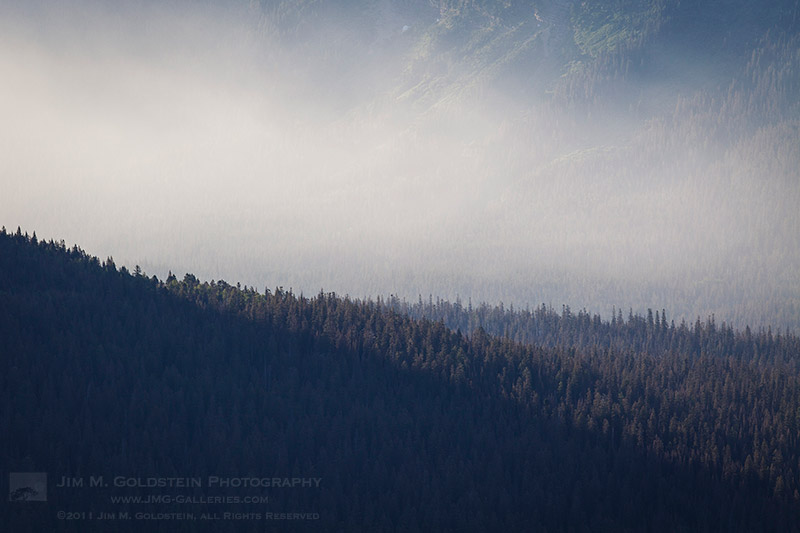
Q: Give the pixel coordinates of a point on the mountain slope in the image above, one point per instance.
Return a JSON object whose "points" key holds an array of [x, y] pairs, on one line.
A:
{"points": [[408, 424]]}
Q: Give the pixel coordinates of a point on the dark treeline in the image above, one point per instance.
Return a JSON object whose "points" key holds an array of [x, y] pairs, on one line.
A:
{"points": [[411, 425]]}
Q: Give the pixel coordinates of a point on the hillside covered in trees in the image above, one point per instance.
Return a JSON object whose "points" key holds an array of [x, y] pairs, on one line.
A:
{"points": [[415, 417]]}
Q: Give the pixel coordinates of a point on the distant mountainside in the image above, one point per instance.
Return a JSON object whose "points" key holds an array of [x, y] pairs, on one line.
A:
{"points": [[629, 425], [576, 51], [675, 122]]}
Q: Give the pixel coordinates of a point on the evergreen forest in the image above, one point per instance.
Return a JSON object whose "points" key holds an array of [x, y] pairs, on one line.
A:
{"points": [[425, 416]]}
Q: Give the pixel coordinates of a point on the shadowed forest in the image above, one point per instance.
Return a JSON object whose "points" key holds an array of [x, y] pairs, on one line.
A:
{"points": [[415, 417]]}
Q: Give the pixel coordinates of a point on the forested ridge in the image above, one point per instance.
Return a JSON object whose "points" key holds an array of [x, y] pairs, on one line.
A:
{"points": [[416, 417]]}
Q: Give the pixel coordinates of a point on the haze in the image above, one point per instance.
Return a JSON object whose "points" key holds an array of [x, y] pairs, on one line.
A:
{"points": [[346, 156]]}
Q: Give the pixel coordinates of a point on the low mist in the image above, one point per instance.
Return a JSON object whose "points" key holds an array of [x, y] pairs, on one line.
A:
{"points": [[340, 153]]}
